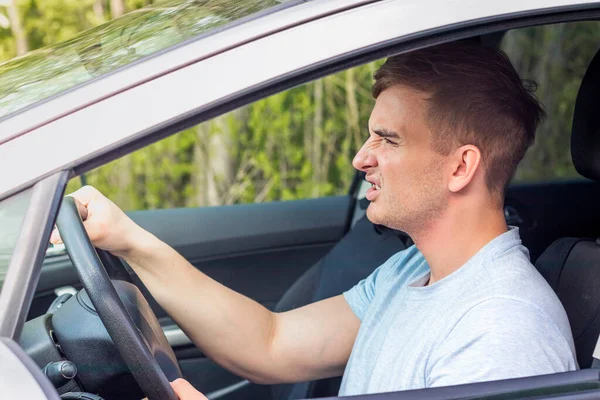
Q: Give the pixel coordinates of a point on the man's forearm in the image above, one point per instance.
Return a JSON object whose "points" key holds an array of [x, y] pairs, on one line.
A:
{"points": [[232, 329]]}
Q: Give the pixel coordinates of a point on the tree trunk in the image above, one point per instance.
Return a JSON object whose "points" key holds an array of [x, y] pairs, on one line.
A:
{"points": [[123, 182], [317, 137], [99, 10], [201, 161], [117, 8], [17, 28], [329, 135], [221, 161], [213, 162], [352, 122]]}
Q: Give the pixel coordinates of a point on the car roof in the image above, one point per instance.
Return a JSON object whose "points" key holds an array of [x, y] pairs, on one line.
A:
{"points": [[124, 110]]}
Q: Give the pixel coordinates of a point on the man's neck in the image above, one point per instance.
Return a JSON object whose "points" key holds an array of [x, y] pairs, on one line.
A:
{"points": [[448, 243]]}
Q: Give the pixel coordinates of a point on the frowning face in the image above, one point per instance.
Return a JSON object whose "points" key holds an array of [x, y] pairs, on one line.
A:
{"points": [[406, 174]]}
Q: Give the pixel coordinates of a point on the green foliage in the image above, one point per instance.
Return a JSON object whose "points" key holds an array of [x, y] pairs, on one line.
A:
{"points": [[53, 21], [262, 152]]}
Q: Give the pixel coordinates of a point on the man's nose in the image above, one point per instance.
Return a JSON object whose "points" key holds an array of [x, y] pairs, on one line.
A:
{"points": [[364, 159]]}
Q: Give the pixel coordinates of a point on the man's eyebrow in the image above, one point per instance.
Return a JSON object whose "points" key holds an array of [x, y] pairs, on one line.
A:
{"points": [[386, 133]]}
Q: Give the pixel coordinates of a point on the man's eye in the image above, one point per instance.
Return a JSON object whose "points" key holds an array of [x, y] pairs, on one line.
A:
{"points": [[388, 141]]}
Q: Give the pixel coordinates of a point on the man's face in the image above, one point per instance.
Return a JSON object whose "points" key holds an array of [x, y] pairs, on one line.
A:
{"points": [[408, 186]]}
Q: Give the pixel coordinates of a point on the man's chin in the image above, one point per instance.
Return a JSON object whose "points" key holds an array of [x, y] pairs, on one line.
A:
{"points": [[374, 216], [378, 218]]}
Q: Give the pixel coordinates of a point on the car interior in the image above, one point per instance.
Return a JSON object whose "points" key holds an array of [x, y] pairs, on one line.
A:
{"points": [[291, 253]]}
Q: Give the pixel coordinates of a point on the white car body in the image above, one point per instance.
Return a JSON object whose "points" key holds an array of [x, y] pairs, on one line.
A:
{"points": [[68, 134]]}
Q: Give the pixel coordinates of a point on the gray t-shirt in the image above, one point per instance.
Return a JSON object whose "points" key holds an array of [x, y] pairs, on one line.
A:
{"points": [[493, 318]]}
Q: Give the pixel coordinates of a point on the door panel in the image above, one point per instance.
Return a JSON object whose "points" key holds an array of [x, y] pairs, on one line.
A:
{"points": [[258, 250], [202, 233]]}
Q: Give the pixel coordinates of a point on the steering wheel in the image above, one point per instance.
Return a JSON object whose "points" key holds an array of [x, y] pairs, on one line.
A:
{"points": [[149, 357]]}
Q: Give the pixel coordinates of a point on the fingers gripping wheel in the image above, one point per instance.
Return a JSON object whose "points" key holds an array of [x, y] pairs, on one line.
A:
{"points": [[129, 342]]}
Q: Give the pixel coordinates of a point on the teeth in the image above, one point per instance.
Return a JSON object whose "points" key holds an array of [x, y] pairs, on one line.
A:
{"points": [[375, 186]]}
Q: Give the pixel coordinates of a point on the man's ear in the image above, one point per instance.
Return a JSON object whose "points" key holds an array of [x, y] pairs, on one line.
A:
{"points": [[465, 162]]}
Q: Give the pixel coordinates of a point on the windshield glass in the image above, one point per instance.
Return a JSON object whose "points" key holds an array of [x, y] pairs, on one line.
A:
{"points": [[46, 72], [12, 213]]}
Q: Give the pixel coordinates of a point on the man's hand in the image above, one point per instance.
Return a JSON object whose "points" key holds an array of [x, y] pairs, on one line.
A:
{"points": [[185, 391], [108, 227]]}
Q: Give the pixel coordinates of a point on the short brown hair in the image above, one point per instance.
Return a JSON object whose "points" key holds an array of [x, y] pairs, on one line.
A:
{"points": [[475, 97]]}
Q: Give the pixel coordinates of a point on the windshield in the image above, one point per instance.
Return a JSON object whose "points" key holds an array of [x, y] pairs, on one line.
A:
{"points": [[12, 213], [46, 72]]}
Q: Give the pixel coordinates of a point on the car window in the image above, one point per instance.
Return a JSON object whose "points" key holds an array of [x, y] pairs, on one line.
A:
{"points": [[296, 144], [556, 57], [45, 72], [12, 213]]}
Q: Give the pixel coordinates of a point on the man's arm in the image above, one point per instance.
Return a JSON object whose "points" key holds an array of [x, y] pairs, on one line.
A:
{"points": [[303, 344], [308, 343]]}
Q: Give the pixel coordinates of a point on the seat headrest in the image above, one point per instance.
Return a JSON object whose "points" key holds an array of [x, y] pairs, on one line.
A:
{"points": [[585, 136]]}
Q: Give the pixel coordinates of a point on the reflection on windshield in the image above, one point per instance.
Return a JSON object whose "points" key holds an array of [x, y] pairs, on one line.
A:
{"points": [[46, 72]]}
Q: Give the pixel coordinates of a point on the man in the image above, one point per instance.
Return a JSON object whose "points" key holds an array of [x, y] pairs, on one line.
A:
{"points": [[448, 128]]}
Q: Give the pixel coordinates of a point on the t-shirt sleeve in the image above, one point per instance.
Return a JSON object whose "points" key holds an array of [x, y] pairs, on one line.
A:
{"points": [[499, 339], [360, 296]]}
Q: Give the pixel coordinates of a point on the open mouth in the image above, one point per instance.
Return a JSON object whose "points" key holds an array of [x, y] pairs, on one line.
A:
{"points": [[373, 191]]}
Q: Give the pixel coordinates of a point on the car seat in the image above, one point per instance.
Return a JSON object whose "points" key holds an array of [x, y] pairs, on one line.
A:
{"points": [[572, 265]]}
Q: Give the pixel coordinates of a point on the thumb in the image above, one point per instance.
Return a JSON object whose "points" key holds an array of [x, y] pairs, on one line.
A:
{"points": [[55, 236], [186, 391]]}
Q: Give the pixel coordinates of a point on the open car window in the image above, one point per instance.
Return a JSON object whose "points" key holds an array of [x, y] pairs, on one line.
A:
{"points": [[296, 144]]}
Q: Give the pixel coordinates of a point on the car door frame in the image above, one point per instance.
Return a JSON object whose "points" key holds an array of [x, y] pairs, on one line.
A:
{"points": [[134, 136]]}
